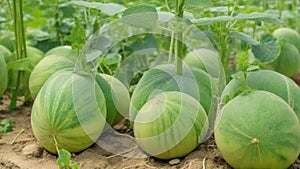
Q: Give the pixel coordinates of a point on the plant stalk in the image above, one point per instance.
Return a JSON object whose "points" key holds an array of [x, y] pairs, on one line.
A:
{"points": [[178, 42], [20, 45], [56, 144]]}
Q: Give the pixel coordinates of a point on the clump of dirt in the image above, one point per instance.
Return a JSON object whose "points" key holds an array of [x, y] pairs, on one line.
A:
{"points": [[27, 153]]}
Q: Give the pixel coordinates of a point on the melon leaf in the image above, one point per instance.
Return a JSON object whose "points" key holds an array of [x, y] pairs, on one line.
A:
{"points": [[268, 50], [64, 160]]}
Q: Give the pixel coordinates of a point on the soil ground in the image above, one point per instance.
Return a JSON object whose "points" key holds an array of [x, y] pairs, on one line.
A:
{"points": [[27, 153]]}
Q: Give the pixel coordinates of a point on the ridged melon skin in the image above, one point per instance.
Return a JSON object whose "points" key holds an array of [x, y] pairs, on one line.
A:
{"points": [[266, 117], [45, 69], [194, 82], [287, 35], [170, 125], [270, 81], [64, 51], [3, 75], [288, 62], [71, 107], [116, 96], [6, 53]]}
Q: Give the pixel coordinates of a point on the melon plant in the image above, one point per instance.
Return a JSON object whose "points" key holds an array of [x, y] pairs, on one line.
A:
{"points": [[70, 110], [258, 130], [288, 61], [3, 75], [33, 57], [267, 80], [45, 69], [170, 125], [194, 82], [116, 96], [5, 53]]}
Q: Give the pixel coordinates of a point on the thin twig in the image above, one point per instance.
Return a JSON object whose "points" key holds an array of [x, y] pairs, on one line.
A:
{"points": [[203, 163], [17, 136], [56, 144]]}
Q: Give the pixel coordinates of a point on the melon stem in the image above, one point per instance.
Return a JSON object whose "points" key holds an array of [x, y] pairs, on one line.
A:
{"points": [[55, 142], [255, 141]]}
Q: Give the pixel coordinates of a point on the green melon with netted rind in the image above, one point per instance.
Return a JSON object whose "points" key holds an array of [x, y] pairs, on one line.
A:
{"points": [[117, 98], [170, 125], [288, 61], [288, 35], [64, 51], [70, 108], [194, 82], [45, 69], [3, 75], [258, 130], [267, 80]]}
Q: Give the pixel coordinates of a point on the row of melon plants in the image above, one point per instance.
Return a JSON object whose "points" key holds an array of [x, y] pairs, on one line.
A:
{"points": [[174, 106]]}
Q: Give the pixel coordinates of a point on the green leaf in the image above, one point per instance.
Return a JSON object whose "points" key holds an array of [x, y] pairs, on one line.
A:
{"points": [[64, 158], [253, 68], [239, 75], [6, 126], [77, 36], [75, 166], [268, 50], [2, 19], [141, 16], [208, 21], [21, 64], [242, 62], [243, 37], [198, 3], [109, 9], [258, 16], [93, 55], [113, 58]]}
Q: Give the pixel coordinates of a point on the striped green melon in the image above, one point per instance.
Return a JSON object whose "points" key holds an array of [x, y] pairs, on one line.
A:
{"points": [[195, 82], [45, 69], [117, 98], [258, 130], [270, 81], [204, 59], [5, 53], [3, 75], [70, 108], [170, 125], [65, 51], [287, 35]]}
